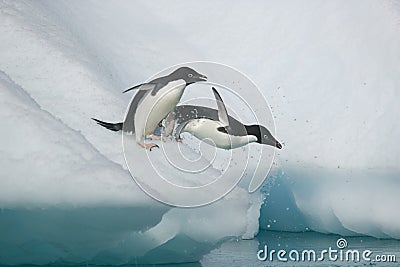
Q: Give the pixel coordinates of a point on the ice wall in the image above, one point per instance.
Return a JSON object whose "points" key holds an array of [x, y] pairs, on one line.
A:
{"points": [[328, 69]]}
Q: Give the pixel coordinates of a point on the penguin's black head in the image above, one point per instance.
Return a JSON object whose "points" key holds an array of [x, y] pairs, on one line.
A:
{"points": [[189, 75], [263, 135]]}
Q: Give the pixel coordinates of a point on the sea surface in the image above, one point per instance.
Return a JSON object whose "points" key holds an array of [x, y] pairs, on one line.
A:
{"points": [[244, 252]]}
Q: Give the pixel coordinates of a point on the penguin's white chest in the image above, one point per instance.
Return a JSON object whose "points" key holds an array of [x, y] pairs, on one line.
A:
{"points": [[206, 130], [152, 109]]}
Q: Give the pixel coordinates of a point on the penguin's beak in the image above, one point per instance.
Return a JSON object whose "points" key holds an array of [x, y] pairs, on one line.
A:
{"points": [[278, 145], [202, 77]]}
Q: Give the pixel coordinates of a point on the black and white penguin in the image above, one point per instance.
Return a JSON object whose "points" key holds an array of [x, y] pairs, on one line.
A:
{"points": [[154, 101], [217, 128]]}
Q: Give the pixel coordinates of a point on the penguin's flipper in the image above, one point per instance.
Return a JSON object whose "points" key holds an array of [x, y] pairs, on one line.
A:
{"points": [[111, 126], [142, 86], [222, 113]]}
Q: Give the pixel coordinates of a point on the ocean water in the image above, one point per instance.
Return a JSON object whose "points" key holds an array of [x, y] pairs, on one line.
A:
{"points": [[239, 253], [244, 252]]}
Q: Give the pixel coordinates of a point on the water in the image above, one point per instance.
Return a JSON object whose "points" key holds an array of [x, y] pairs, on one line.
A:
{"points": [[244, 252]]}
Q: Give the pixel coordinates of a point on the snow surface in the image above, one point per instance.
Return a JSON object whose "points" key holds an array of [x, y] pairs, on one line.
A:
{"points": [[329, 70]]}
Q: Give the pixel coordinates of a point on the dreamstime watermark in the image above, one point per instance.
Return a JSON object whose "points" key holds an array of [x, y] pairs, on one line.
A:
{"points": [[195, 173], [339, 253]]}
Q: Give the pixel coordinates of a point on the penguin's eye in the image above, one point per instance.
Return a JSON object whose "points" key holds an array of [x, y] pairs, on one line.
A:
{"points": [[265, 136], [190, 75]]}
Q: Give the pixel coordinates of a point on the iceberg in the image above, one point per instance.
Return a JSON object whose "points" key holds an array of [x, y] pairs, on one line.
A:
{"points": [[329, 71]]}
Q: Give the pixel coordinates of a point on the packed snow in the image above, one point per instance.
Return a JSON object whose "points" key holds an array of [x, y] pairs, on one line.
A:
{"points": [[328, 69]]}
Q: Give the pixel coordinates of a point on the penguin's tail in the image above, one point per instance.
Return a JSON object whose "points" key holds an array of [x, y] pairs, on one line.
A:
{"points": [[110, 126]]}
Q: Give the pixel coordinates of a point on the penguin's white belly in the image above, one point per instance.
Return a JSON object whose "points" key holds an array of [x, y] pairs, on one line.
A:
{"points": [[206, 130], [152, 109]]}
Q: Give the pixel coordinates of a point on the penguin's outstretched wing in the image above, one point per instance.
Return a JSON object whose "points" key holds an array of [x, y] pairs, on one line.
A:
{"points": [[142, 86], [154, 85], [222, 113]]}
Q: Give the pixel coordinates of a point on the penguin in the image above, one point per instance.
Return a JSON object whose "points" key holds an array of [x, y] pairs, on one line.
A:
{"points": [[217, 128], [182, 114], [153, 102]]}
